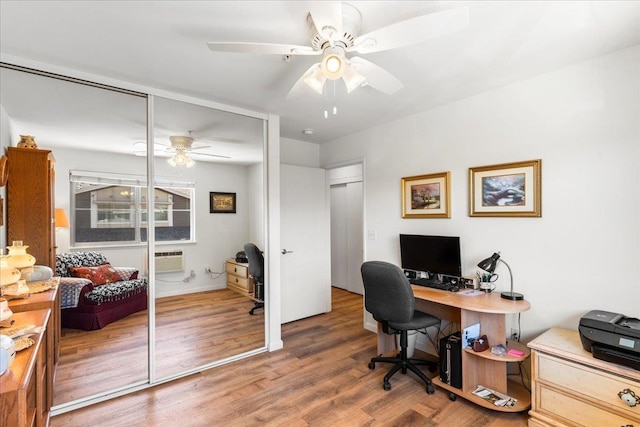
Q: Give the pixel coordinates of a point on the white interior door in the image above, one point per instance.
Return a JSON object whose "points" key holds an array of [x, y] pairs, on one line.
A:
{"points": [[339, 237], [347, 222], [305, 235]]}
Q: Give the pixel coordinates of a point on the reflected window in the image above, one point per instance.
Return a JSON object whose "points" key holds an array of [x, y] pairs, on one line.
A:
{"points": [[112, 209]]}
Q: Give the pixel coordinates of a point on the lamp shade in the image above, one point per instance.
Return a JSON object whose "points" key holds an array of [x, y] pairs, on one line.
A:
{"points": [[61, 218], [489, 264]]}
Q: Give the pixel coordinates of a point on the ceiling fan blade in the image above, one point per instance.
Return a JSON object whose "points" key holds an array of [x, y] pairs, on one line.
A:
{"points": [[327, 17], [377, 77], [412, 31], [300, 87], [263, 48], [209, 155]]}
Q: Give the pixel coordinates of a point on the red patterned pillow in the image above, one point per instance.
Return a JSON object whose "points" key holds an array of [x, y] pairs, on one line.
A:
{"points": [[99, 275]]}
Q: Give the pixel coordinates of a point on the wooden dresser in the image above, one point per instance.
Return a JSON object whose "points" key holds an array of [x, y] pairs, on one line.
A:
{"points": [[23, 390], [572, 388], [238, 278], [38, 301], [30, 202]]}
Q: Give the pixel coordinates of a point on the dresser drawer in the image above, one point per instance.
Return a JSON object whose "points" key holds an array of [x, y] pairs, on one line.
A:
{"points": [[575, 412], [238, 282], [237, 270], [590, 384]]}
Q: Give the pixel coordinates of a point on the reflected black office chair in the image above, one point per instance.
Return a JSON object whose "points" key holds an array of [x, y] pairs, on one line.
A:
{"points": [[389, 298], [256, 269]]}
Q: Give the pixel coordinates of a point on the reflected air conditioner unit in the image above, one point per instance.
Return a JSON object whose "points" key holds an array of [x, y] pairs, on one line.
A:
{"points": [[169, 262]]}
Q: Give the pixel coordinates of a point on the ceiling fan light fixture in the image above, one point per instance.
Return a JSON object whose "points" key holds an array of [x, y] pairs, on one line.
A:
{"points": [[316, 80], [352, 79], [181, 159], [333, 63]]}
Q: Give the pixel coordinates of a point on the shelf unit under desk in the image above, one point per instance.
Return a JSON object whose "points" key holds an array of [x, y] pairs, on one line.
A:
{"points": [[482, 368]]}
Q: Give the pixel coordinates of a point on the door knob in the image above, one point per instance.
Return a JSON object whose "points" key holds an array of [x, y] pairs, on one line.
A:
{"points": [[284, 252]]}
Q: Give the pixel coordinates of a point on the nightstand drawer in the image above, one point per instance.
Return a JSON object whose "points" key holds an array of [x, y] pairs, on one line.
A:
{"points": [[238, 282], [237, 270], [587, 383], [575, 412]]}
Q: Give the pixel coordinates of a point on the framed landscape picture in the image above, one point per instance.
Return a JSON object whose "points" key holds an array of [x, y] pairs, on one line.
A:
{"points": [[426, 196], [222, 202], [508, 189]]}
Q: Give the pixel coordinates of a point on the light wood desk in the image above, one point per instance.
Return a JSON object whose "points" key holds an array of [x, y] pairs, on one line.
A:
{"points": [[482, 368]]}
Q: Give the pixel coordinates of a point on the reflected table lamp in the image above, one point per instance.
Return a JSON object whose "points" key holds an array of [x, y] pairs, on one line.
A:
{"points": [[489, 265], [61, 220]]}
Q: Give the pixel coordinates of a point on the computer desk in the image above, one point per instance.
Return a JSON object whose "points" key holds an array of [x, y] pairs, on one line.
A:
{"points": [[483, 368]]}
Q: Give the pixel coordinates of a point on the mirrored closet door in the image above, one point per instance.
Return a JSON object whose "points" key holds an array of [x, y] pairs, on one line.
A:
{"points": [[208, 204], [98, 137]]}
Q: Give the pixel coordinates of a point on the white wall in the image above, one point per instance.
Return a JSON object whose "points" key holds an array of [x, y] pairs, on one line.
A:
{"points": [[256, 205], [583, 122], [5, 141], [218, 236], [299, 153]]}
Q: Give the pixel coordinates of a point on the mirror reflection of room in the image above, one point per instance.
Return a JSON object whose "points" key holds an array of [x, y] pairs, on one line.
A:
{"points": [[97, 138], [223, 155]]}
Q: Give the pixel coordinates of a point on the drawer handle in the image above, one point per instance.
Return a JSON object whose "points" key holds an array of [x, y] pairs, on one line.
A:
{"points": [[235, 270], [629, 397]]}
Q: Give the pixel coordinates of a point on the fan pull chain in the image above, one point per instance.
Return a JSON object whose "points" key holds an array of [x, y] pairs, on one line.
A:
{"points": [[335, 108]]}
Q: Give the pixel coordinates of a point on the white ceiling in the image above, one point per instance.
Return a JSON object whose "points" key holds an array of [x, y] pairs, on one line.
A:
{"points": [[162, 44]]}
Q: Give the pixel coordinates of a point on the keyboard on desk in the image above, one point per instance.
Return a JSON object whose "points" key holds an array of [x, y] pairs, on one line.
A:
{"points": [[431, 284]]}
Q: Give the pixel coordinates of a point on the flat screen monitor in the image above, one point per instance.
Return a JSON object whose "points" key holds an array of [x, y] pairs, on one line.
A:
{"points": [[433, 254]]}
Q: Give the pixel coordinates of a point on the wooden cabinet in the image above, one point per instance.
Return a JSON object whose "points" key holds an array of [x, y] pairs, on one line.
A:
{"points": [[31, 202], [23, 398], [570, 387], [38, 301], [238, 278]]}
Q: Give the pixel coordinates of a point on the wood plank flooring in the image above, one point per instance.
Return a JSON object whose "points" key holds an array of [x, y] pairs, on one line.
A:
{"points": [[320, 378], [191, 330]]}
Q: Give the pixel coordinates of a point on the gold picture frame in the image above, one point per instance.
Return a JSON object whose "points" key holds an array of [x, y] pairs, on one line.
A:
{"points": [[508, 189], [222, 202], [426, 196]]}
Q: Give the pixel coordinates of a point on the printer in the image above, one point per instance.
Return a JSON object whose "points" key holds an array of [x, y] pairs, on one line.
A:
{"points": [[611, 337]]}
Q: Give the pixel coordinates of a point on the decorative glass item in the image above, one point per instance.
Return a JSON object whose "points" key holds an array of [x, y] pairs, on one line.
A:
{"points": [[8, 275], [7, 353], [5, 311], [18, 256]]}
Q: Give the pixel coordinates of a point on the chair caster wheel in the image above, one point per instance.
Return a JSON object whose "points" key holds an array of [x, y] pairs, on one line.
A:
{"points": [[452, 397], [430, 389], [386, 385], [372, 366]]}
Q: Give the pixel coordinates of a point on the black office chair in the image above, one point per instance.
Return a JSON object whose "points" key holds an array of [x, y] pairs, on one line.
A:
{"points": [[256, 269], [389, 298]]}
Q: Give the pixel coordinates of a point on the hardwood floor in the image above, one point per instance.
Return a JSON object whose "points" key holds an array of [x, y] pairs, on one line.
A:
{"points": [[320, 378], [191, 330]]}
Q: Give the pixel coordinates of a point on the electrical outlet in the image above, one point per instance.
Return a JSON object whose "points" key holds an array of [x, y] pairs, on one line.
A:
{"points": [[514, 334], [207, 270]]}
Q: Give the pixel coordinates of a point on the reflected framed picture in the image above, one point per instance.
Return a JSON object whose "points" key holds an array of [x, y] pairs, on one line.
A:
{"points": [[222, 202], [426, 196], [508, 189]]}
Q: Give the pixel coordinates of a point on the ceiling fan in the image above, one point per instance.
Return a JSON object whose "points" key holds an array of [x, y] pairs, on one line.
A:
{"points": [[334, 29], [180, 148]]}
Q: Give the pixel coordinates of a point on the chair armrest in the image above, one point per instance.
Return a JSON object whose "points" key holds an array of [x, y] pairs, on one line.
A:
{"points": [[71, 289], [127, 273]]}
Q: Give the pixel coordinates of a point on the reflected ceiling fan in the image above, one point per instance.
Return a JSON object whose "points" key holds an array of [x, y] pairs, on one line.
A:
{"points": [[334, 28], [180, 148]]}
